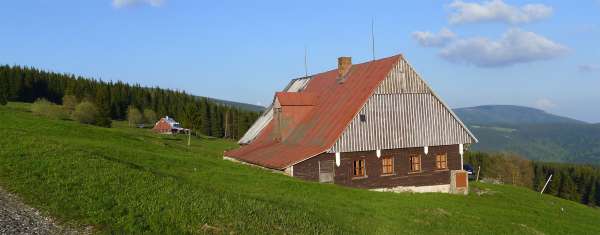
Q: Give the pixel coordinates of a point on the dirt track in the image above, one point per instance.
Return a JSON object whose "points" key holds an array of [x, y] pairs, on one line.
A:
{"points": [[18, 218]]}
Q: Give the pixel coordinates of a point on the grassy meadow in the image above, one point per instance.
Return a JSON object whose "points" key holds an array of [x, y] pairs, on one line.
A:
{"points": [[128, 180]]}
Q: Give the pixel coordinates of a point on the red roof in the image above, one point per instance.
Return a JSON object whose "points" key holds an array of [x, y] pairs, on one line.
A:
{"points": [[296, 98], [334, 106]]}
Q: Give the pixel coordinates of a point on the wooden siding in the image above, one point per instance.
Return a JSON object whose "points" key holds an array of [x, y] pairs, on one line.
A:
{"points": [[429, 175], [402, 79], [295, 85], [401, 121], [403, 112]]}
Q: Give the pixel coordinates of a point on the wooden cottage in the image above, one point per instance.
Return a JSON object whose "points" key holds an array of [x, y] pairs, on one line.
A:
{"points": [[374, 125], [168, 125]]}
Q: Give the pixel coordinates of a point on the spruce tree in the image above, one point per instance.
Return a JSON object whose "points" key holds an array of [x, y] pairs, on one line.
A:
{"points": [[205, 125], [103, 105], [3, 93]]}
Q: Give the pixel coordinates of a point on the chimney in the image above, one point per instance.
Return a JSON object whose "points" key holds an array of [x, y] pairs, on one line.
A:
{"points": [[344, 64]]}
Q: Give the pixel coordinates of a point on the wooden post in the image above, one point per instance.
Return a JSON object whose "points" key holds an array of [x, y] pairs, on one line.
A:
{"points": [[189, 136], [547, 181], [478, 170]]}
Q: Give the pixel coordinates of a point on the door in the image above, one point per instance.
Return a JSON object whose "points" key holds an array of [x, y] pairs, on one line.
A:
{"points": [[326, 171]]}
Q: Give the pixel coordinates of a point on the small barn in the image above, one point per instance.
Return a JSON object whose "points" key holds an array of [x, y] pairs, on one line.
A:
{"points": [[168, 125], [375, 125]]}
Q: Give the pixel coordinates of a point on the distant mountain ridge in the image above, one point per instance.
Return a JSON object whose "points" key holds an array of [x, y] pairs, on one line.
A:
{"points": [[244, 106], [532, 133], [510, 114]]}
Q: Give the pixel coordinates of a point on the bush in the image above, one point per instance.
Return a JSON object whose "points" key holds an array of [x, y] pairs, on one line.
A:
{"points": [[134, 116], [46, 108], [3, 100], [502, 167], [150, 116], [69, 102], [85, 112]]}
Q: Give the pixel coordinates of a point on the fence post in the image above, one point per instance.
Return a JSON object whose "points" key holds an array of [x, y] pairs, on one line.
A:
{"points": [[547, 181]]}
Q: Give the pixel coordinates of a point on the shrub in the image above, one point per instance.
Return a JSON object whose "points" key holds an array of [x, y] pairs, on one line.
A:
{"points": [[150, 116], [46, 108], [85, 112], [69, 102], [134, 116]]}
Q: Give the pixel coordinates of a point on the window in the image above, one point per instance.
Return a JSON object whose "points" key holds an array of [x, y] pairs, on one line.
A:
{"points": [[388, 165], [359, 168], [441, 161], [415, 163], [363, 118]]}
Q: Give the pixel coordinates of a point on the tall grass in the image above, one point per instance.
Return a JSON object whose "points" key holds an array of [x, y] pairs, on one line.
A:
{"points": [[129, 180]]}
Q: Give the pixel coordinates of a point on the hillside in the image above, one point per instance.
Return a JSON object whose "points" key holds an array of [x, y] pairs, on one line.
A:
{"points": [[532, 133], [245, 106], [510, 114], [126, 180]]}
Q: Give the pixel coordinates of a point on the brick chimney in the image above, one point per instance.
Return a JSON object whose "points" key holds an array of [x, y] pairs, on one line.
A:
{"points": [[344, 64]]}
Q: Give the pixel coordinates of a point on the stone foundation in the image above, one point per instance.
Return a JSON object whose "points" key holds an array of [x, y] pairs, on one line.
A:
{"points": [[444, 188]]}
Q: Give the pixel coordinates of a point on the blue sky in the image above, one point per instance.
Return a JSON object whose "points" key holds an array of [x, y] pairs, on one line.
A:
{"points": [[541, 54]]}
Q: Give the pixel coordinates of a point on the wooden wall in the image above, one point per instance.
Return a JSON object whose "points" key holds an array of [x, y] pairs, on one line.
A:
{"points": [[403, 112], [402, 176]]}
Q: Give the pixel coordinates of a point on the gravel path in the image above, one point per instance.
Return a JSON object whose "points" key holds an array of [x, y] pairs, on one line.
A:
{"points": [[18, 218]]}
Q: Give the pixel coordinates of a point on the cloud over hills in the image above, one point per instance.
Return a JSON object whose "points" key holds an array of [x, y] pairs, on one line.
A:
{"points": [[515, 46]]}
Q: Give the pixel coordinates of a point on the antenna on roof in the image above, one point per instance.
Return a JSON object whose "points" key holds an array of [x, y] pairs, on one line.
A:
{"points": [[373, 36], [305, 61]]}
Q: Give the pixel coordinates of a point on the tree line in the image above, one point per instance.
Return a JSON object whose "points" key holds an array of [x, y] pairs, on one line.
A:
{"points": [[113, 100], [580, 183]]}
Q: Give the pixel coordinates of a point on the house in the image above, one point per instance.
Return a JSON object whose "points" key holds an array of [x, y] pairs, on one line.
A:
{"points": [[375, 125], [168, 125]]}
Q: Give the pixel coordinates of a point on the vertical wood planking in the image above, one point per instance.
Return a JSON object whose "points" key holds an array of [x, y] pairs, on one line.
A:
{"points": [[403, 112]]}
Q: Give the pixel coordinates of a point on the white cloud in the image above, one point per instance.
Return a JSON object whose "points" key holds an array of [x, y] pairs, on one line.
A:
{"points": [[515, 46], [129, 3], [496, 11], [589, 67], [544, 104], [429, 39]]}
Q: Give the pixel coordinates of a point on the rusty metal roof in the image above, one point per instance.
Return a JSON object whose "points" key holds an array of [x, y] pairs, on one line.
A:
{"points": [[334, 105], [296, 98]]}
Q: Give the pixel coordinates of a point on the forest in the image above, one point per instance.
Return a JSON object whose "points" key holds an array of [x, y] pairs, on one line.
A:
{"points": [[113, 99], [580, 183]]}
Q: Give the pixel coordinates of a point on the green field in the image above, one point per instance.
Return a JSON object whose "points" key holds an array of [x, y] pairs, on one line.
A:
{"points": [[126, 180]]}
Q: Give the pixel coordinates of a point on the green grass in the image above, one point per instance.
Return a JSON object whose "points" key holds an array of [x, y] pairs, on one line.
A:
{"points": [[126, 180]]}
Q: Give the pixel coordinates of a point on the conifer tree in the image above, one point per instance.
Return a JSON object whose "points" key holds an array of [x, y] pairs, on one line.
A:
{"points": [[23, 84], [3, 94], [103, 105], [205, 125]]}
